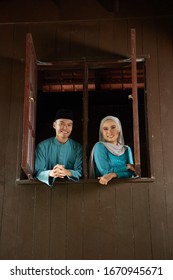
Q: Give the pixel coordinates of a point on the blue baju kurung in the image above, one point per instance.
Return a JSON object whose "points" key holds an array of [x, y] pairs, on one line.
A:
{"points": [[105, 162]]}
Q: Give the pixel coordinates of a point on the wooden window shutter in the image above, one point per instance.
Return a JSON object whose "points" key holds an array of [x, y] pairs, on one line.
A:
{"points": [[29, 114], [135, 105]]}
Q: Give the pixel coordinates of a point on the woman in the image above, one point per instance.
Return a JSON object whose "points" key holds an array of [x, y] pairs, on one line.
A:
{"points": [[110, 158]]}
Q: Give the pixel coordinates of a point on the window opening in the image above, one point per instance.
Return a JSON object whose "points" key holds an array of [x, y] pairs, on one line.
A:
{"points": [[113, 96], [92, 89]]}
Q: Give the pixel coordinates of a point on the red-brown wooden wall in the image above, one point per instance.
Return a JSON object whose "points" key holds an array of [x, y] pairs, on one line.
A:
{"points": [[87, 220]]}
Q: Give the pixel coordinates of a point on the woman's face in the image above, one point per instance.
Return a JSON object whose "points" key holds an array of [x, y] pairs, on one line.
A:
{"points": [[110, 131]]}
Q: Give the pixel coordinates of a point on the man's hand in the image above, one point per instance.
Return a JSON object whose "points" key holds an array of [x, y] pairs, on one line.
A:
{"points": [[59, 171]]}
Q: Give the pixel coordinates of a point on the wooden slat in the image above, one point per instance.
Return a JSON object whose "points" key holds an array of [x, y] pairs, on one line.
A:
{"points": [[25, 223], [157, 193], [169, 206], [47, 49], [63, 40], [106, 39], [41, 230], [124, 223], [13, 92], [91, 232], [120, 43], [141, 220], [107, 212], [165, 64], [77, 39], [25, 197], [158, 216], [58, 222], [166, 98], [91, 42], [153, 100], [5, 87], [75, 222]]}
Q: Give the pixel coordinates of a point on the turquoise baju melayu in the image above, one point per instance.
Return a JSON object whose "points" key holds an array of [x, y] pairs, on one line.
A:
{"points": [[51, 152]]}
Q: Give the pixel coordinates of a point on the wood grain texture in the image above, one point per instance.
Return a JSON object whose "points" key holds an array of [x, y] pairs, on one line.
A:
{"points": [[87, 221]]}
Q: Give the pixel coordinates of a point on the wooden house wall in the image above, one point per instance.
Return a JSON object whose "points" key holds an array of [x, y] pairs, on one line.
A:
{"points": [[81, 220]]}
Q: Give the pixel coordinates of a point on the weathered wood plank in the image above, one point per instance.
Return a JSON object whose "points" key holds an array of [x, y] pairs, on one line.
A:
{"points": [[75, 222], [58, 222], [44, 40], [141, 221], [62, 40], [25, 196], [169, 206], [77, 40], [5, 94], [41, 234], [165, 73], [25, 222], [91, 42], [159, 229], [120, 38], [106, 39], [10, 208], [151, 46], [107, 217], [91, 233], [125, 245], [153, 99]]}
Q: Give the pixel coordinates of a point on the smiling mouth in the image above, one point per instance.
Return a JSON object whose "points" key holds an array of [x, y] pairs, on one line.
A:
{"points": [[65, 132]]}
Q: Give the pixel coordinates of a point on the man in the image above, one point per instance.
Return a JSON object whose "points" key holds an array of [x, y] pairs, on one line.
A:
{"points": [[59, 156]]}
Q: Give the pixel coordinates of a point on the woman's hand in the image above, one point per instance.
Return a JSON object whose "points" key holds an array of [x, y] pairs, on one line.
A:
{"points": [[131, 167], [103, 180]]}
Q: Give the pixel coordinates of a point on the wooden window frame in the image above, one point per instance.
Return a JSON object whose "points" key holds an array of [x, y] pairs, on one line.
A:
{"points": [[30, 99]]}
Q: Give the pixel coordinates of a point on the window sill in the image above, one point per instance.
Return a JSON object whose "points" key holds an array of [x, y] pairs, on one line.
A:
{"points": [[87, 181]]}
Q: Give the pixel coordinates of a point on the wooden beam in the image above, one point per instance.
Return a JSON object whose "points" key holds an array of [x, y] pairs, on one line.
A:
{"points": [[85, 121], [135, 105]]}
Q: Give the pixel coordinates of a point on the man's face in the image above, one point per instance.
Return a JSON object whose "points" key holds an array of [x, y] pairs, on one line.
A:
{"points": [[63, 128]]}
